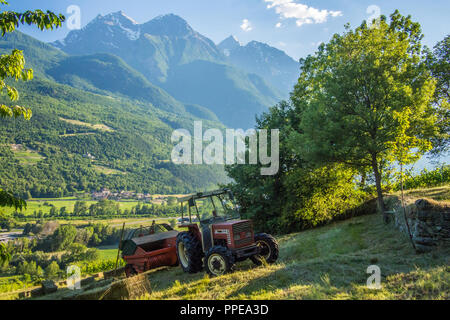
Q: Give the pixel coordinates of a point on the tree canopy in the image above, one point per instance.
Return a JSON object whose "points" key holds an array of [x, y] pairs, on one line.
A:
{"points": [[366, 98], [438, 62], [12, 66]]}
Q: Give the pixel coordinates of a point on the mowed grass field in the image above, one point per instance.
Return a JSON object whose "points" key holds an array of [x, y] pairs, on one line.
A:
{"points": [[326, 263]]}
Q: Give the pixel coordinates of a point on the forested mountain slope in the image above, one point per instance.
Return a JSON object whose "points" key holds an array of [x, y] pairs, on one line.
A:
{"points": [[109, 128]]}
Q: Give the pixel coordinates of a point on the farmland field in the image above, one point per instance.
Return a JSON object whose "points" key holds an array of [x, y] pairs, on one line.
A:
{"points": [[25, 156], [45, 204], [69, 202], [107, 252]]}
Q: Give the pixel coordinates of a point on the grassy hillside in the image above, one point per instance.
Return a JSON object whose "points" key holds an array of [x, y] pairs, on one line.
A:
{"points": [[325, 263]]}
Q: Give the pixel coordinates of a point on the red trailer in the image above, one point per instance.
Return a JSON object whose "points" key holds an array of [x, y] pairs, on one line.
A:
{"points": [[148, 248]]}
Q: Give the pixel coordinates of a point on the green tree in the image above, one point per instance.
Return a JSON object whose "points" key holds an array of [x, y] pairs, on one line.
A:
{"points": [[5, 256], [63, 237], [300, 195], [173, 223], [76, 249], [80, 208], [91, 254], [52, 271], [355, 91], [438, 62], [12, 66], [171, 201], [6, 222]]}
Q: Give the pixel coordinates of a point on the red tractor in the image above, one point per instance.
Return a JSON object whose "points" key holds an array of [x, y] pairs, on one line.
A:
{"points": [[218, 237]]}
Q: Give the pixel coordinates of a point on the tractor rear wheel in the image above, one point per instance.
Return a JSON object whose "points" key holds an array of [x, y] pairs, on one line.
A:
{"points": [[189, 252], [268, 249], [219, 260]]}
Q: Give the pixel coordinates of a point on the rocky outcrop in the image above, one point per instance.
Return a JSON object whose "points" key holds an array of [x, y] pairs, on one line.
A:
{"points": [[429, 223]]}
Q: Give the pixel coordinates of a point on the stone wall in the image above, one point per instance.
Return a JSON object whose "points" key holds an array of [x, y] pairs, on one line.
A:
{"points": [[429, 223]]}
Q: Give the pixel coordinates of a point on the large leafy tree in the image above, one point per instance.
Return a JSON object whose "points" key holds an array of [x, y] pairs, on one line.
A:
{"points": [[12, 67], [366, 98], [438, 62], [300, 195]]}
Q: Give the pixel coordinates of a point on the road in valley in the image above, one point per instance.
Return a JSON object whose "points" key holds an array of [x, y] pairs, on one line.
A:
{"points": [[7, 236], [147, 221]]}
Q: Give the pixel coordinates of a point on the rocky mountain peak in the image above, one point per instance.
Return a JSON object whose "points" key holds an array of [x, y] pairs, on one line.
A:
{"points": [[229, 44]]}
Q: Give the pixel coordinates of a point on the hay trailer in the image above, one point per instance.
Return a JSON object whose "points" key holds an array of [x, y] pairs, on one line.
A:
{"points": [[148, 248]]}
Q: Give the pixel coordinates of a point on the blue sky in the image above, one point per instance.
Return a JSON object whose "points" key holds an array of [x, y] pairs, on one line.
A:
{"points": [[295, 26]]}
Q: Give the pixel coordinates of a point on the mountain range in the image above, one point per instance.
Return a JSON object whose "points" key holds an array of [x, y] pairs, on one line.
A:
{"points": [[242, 81], [272, 64], [107, 98]]}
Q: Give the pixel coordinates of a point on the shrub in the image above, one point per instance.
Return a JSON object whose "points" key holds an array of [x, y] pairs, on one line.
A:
{"points": [[52, 271], [427, 179]]}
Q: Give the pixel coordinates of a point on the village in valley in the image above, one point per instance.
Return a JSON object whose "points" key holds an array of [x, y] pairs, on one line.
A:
{"points": [[106, 194]]}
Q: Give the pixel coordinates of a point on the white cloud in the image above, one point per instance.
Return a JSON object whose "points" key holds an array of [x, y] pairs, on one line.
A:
{"points": [[246, 25], [278, 25], [303, 14]]}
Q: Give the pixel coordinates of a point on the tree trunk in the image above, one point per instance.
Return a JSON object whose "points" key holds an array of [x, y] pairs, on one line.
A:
{"points": [[377, 175]]}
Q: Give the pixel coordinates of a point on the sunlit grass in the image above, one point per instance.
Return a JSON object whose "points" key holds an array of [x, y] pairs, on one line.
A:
{"points": [[325, 263]]}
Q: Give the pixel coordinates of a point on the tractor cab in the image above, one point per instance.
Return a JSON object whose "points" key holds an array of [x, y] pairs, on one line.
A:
{"points": [[216, 236], [209, 207]]}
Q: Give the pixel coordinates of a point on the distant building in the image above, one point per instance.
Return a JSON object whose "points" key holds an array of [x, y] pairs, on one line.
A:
{"points": [[88, 156], [102, 195]]}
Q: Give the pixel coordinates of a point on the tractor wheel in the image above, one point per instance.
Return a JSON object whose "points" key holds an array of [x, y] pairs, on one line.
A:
{"points": [[189, 252], [219, 260], [268, 249], [130, 271]]}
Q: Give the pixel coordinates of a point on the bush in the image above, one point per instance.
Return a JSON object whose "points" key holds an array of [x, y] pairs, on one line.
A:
{"points": [[91, 254], [173, 223], [31, 269], [63, 237], [52, 271], [79, 252], [426, 179], [99, 266], [6, 222]]}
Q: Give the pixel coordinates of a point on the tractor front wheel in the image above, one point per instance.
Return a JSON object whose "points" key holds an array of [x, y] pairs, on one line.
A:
{"points": [[219, 260], [268, 249], [189, 252]]}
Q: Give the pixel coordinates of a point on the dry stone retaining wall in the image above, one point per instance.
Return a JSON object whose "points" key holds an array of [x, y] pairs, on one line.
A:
{"points": [[429, 223]]}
